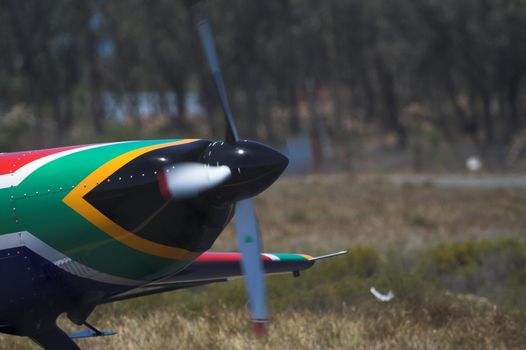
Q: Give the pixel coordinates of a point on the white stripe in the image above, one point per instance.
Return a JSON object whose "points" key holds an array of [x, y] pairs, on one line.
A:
{"points": [[26, 239], [271, 256], [14, 179]]}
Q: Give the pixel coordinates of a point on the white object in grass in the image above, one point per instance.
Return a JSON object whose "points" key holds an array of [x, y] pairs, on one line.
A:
{"points": [[382, 297]]}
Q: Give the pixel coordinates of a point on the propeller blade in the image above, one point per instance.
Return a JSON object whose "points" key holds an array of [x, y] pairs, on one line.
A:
{"points": [[207, 42], [188, 179], [249, 242]]}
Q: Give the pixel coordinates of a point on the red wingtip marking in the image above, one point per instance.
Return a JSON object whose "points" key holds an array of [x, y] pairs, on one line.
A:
{"points": [[259, 328], [224, 257]]}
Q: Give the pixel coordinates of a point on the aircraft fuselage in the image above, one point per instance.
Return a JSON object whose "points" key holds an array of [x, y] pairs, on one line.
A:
{"points": [[78, 224]]}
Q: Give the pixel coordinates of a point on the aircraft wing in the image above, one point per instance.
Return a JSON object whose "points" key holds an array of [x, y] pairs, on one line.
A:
{"points": [[213, 267]]}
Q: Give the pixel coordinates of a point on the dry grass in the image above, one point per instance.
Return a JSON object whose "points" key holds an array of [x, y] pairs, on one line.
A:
{"points": [[317, 214], [330, 307], [394, 327]]}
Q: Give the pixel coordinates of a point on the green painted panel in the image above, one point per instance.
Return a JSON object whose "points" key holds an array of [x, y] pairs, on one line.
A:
{"points": [[7, 214], [41, 211], [291, 257]]}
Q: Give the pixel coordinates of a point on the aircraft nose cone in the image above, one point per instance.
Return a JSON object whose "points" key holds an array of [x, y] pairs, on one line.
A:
{"points": [[254, 168]]}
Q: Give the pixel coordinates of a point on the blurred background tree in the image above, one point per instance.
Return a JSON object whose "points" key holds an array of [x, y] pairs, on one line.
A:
{"points": [[342, 72]]}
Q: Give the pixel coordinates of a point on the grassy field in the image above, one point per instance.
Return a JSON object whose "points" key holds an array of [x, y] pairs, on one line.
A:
{"points": [[455, 259]]}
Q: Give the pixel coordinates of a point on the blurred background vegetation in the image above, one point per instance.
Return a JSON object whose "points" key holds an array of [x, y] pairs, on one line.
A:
{"points": [[424, 83]]}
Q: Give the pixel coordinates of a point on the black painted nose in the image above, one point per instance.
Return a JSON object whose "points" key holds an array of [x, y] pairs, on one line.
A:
{"points": [[254, 168]]}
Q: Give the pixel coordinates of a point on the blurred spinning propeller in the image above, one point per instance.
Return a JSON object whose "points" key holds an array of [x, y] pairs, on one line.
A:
{"points": [[256, 167]]}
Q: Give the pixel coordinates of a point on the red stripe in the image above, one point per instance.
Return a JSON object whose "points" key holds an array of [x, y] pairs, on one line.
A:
{"points": [[11, 162], [224, 257]]}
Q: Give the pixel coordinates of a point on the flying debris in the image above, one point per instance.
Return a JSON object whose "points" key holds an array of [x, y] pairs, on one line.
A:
{"points": [[385, 298]]}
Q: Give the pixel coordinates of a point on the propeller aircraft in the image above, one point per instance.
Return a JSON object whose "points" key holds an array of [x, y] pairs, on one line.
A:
{"points": [[86, 225]]}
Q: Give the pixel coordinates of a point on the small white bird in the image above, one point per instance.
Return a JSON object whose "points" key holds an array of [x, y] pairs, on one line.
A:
{"points": [[382, 297]]}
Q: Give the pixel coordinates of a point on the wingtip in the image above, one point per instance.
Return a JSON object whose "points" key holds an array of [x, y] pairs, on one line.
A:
{"points": [[331, 255]]}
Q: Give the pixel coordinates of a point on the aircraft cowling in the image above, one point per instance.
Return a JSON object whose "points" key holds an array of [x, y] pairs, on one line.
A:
{"points": [[132, 197], [254, 167]]}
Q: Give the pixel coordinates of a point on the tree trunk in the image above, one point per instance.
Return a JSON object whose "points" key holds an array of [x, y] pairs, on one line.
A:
{"points": [[514, 123], [487, 117], [251, 116], [206, 100], [292, 106], [97, 110], [178, 85], [390, 98]]}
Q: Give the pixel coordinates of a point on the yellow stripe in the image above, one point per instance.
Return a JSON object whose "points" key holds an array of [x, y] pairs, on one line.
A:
{"points": [[75, 200]]}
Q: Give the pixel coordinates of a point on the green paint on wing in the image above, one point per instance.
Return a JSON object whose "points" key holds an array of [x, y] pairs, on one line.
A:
{"points": [[291, 257]]}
